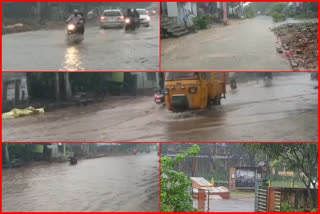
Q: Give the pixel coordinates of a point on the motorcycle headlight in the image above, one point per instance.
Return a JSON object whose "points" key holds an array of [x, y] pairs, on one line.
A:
{"points": [[127, 21], [71, 27], [193, 90], [166, 91]]}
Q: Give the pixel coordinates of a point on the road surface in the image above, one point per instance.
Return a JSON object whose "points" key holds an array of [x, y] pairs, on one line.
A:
{"points": [[101, 50], [109, 184], [238, 202], [285, 111], [243, 45]]}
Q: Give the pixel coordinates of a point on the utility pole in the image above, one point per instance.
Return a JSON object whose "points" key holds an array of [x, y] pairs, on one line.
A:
{"points": [[38, 12], [225, 14], [57, 86], [6, 152], [67, 85]]}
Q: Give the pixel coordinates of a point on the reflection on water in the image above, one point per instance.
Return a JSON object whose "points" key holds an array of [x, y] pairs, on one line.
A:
{"points": [[72, 59], [123, 183]]}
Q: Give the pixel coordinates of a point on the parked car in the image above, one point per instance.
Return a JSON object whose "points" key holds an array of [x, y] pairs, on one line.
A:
{"points": [[144, 17], [111, 18]]}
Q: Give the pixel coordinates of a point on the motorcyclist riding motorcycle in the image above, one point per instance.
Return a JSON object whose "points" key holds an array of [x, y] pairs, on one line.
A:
{"points": [[130, 22], [78, 20]]}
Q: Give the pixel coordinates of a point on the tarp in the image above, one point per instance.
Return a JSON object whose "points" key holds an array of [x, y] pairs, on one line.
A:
{"points": [[14, 113]]}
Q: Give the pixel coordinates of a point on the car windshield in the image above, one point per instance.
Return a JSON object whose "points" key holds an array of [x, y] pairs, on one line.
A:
{"points": [[181, 75], [142, 12], [112, 13]]}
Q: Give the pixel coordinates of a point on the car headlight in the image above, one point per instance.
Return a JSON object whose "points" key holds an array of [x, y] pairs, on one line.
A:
{"points": [[148, 18], [193, 90], [166, 91], [71, 27]]}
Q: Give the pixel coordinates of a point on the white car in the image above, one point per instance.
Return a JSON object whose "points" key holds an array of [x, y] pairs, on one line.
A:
{"points": [[111, 18], [144, 17]]}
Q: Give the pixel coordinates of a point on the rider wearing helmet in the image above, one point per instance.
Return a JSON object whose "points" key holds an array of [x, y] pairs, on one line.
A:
{"points": [[77, 19]]}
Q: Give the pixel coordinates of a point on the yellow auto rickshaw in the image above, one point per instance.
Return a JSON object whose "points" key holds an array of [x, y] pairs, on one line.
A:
{"points": [[194, 90]]}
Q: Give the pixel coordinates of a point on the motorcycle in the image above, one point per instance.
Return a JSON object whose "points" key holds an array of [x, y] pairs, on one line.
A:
{"points": [[130, 24], [159, 98], [74, 33], [268, 79], [314, 76]]}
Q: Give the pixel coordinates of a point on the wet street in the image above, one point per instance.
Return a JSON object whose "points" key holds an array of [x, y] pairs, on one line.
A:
{"points": [[101, 50], [243, 45], [238, 202], [109, 184], [285, 111]]}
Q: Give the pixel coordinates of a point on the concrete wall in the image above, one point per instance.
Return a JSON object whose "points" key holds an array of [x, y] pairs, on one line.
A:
{"points": [[147, 81], [15, 90], [179, 10]]}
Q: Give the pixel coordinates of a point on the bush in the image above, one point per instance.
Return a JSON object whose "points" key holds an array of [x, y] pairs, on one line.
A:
{"points": [[174, 185], [202, 22], [248, 11], [278, 17], [288, 208]]}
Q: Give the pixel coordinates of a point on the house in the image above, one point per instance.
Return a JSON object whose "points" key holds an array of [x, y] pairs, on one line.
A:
{"points": [[15, 90], [176, 16]]}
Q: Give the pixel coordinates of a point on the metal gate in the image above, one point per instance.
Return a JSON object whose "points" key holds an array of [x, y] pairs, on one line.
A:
{"points": [[277, 201], [262, 196]]}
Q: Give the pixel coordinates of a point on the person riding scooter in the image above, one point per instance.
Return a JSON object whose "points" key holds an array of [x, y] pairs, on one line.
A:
{"points": [[77, 19]]}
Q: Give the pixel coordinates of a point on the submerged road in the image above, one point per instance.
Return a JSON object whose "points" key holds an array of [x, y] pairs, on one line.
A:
{"points": [[285, 111], [101, 50], [243, 45], [109, 184]]}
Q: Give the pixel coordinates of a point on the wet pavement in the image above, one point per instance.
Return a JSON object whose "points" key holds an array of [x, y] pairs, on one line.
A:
{"points": [[243, 45], [286, 110], [238, 202], [109, 184], [101, 50]]}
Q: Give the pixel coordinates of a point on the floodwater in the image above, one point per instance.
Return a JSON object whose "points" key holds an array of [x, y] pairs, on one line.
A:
{"points": [[243, 45], [286, 110], [109, 184], [101, 50]]}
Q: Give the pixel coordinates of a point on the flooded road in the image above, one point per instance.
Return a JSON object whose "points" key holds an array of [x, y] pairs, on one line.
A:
{"points": [[109, 184], [101, 50], [243, 45], [285, 111]]}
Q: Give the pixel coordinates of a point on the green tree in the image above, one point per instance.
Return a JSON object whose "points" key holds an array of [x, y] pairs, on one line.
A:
{"points": [[301, 157], [248, 11], [174, 185]]}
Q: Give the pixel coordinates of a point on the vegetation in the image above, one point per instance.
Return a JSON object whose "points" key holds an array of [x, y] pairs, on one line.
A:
{"points": [[202, 22], [301, 157], [174, 185], [278, 11], [248, 11]]}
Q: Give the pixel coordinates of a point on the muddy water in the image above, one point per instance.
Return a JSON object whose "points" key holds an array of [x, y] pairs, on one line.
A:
{"points": [[101, 50], [124, 183], [287, 110]]}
